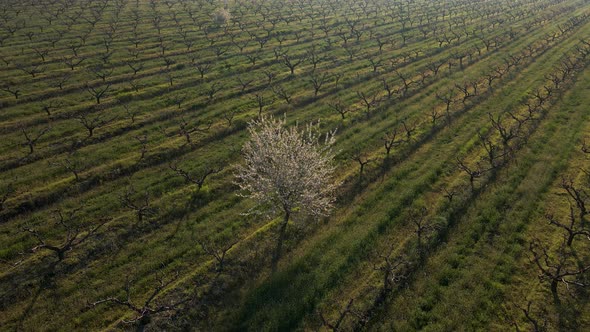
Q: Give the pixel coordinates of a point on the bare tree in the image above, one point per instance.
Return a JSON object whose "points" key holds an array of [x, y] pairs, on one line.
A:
{"points": [[448, 98], [292, 63], [31, 140], [51, 105], [73, 62], [218, 252], [556, 268], [186, 129], [61, 80], [580, 196], [12, 89], [203, 68], [362, 159], [74, 235], [392, 268], [571, 227], [146, 310], [135, 66], [318, 80], [197, 178], [537, 319], [244, 83], [288, 170], [261, 101], [97, 93], [391, 140], [280, 91], [140, 205], [422, 227], [142, 140], [339, 107], [336, 326], [507, 132], [474, 173], [92, 122], [213, 89], [539, 324], [71, 165], [229, 116], [100, 72], [368, 101]]}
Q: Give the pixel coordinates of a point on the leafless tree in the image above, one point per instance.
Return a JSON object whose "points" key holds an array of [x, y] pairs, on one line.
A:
{"points": [[318, 80], [32, 70], [31, 139], [422, 227], [229, 116], [261, 101], [448, 98], [507, 133], [92, 121], [572, 228], [98, 92], [282, 93], [12, 89], [135, 66], [368, 101], [71, 165], [74, 235], [435, 66], [392, 268], [270, 76], [140, 205], [362, 159], [537, 319], [339, 107], [474, 173], [557, 267], [100, 72], [492, 150], [146, 310], [406, 82], [186, 129], [253, 57], [142, 140], [197, 178], [218, 252], [292, 62], [244, 83], [288, 170], [314, 56], [51, 105], [390, 140], [203, 68], [580, 196], [336, 326], [409, 129], [61, 80]]}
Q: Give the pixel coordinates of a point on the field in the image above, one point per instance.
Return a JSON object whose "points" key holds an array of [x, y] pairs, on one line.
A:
{"points": [[461, 131]]}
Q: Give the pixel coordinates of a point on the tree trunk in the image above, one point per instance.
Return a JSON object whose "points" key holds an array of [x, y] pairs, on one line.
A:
{"points": [[554, 291], [570, 239], [279, 248]]}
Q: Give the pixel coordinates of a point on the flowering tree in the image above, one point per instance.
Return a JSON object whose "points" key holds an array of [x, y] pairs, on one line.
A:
{"points": [[288, 170], [221, 16]]}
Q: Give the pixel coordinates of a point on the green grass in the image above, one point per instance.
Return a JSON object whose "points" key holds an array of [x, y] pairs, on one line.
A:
{"points": [[476, 261]]}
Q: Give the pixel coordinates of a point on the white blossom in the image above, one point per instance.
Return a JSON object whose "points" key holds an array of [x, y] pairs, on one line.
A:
{"points": [[288, 168]]}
